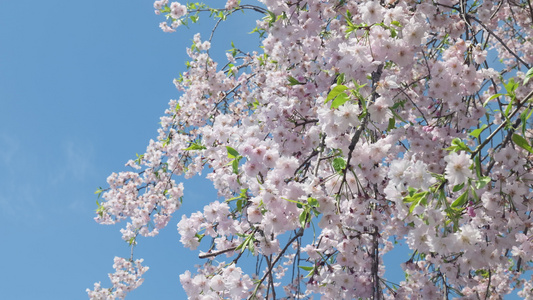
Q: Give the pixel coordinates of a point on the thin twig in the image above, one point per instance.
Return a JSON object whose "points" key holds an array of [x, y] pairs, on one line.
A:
{"points": [[502, 125], [299, 233], [499, 40], [216, 253]]}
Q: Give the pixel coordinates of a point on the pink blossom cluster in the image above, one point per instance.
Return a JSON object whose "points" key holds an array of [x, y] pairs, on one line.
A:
{"points": [[149, 211], [357, 126], [126, 278], [225, 281]]}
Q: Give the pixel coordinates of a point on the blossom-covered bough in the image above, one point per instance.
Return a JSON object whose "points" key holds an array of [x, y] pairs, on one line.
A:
{"points": [[356, 126]]}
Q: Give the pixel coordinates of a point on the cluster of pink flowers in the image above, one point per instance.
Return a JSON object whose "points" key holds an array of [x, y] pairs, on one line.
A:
{"points": [[359, 124], [221, 282], [126, 278]]}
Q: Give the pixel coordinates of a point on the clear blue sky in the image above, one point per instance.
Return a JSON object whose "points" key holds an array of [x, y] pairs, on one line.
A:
{"points": [[82, 87]]}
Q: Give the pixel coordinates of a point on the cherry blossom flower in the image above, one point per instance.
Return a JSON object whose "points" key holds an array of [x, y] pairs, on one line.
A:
{"points": [[458, 167]]}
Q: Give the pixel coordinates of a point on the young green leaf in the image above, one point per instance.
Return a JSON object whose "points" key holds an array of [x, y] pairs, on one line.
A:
{"points": [[522, 142], [528, 76], [524, 116], [461, 200], [458, 187], [482, 182], [490, 98], [340, 79], [396, 23], [477, 162], [340, 100], [195, 146], [313, 202], [415, 199], [303, 218], [458, 145], [235, 166], [232, 153], [335, 92], [477, 132], [339, 164], [392, 124], [294, 81], [305, 268]]}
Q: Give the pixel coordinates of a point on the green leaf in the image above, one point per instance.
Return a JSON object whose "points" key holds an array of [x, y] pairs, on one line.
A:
{"points": [[294, 81], [305, 268], [507, 110], [312, 201], [483, 273], [490, 98], [199, 236], [477, 132], [398, 104], [415, 199], [335, 92], [271, 18], [524, 116], [101, 209], [246, 243], [303, 218], [339, 164], [340, 79], [195, 146], [311, 270], [529, 74], [340, 100], [393, 32], [235, 166], [293, 201], [482, 182], [522, 142], [242, 195], [239, 205], [511, 86], [457, 145], [477, 162], [232, 153], [392, 124], [458, 187], [461, 200]]}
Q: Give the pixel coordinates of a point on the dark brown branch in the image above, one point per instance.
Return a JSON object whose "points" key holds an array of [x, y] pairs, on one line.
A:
{"points": [[375, 264], [375, 78]]}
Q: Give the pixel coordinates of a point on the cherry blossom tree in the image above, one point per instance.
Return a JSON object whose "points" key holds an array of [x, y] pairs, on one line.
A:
{"points": [[356, 127]]}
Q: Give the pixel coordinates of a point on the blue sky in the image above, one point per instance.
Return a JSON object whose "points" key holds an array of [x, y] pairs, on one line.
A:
{"points": [[82, 87]]}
